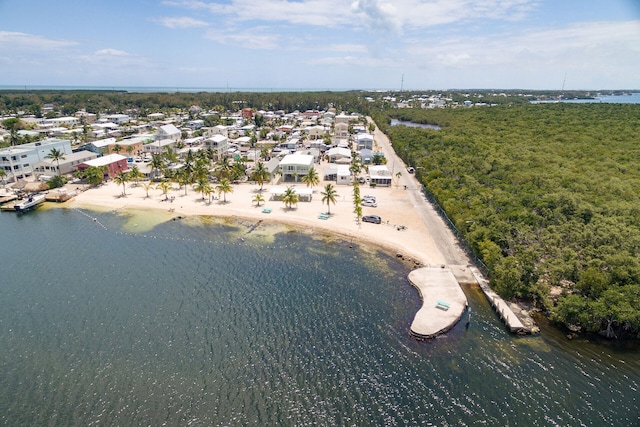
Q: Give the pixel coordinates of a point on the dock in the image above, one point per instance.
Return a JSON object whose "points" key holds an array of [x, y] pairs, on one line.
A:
{"points": [[514, 323], [443, 302]]}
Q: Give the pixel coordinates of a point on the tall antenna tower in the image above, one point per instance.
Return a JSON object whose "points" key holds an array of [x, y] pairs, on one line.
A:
{"points": [[402, 83]]}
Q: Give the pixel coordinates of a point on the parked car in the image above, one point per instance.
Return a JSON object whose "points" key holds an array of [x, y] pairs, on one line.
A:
{"points": [[369, 203], [410, 169], [375, 219]]}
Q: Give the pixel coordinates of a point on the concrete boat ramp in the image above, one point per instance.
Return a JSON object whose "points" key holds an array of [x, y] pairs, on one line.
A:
{"points": [[443, 302]]}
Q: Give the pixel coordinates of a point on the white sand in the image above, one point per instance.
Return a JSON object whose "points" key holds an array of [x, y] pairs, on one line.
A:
{"points": [[396, 206]]}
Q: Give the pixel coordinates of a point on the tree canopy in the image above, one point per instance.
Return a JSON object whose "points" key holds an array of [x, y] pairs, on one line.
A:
{"points": [[546, 195]]}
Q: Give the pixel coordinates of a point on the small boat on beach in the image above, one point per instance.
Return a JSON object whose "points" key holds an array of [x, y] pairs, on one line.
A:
{"points": [[29, 203]]}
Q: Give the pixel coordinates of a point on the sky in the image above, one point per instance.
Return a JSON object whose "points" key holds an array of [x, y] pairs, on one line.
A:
{"points": [[322, 44]]}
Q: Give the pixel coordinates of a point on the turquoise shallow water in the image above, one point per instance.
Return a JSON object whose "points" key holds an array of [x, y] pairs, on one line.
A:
{"points": [[194, 322]]}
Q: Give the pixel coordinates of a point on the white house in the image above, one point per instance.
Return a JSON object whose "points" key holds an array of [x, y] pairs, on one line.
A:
{"points": [[117, 118], [18, 162], [168, 132], [364, 140], [49, 167], [159, 147], [341, 130], [295, 166], [380, 175], [338, 173], [338, 153], [316, 132], [219, 144]]}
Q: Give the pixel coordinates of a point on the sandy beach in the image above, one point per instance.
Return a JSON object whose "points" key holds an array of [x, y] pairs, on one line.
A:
{"points": [[403, 230], [394, 207]]}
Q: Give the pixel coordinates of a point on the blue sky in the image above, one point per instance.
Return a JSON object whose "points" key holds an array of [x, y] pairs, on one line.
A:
{"points": [[322, 44]]}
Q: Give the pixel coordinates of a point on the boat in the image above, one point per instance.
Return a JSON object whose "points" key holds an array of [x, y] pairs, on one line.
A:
{"points": [[29, 203]]}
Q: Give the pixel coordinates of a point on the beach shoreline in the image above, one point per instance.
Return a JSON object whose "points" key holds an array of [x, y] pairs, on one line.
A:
{"points": [[401, 233]]}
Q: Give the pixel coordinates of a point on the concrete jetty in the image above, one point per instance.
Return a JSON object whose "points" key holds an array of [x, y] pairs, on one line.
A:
{"points": [[513, 322], [443, 302]]}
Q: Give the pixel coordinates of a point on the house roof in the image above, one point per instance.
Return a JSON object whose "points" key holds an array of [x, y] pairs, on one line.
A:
{"points": [[105, 160], [169, 129], [297, 159]]}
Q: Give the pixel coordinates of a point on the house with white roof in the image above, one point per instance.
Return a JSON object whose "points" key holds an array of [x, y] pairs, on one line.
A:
{"points": [[380, 175], [338, 173], [168, 132], [18, 162], [364, 140], [117, 118], [337, 154], [114, 164], [159, 146], [295, 166], [219, 144], [48, 168], [341, 130]]}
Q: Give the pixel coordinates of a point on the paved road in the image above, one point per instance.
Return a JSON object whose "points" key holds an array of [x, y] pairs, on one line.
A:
{"points": [[443, 237]]}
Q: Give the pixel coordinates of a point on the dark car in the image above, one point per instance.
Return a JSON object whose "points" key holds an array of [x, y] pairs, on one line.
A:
{"points": [[372, 218]]}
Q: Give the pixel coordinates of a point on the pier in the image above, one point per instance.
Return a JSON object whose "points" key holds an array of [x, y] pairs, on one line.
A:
{"points": [[443, 302], [514, 323]]}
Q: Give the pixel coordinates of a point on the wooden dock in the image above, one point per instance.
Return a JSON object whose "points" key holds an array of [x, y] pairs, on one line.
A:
{"points": [[443, 302]]}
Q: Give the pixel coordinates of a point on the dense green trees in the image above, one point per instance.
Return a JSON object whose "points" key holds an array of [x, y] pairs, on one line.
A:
{"points": [[546, 195]]}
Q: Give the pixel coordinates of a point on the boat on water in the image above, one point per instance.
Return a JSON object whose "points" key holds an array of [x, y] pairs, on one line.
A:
{"points": [[29, 203]]}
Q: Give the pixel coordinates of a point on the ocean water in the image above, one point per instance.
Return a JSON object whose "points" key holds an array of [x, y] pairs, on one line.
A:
{"points": [[111, 319]]}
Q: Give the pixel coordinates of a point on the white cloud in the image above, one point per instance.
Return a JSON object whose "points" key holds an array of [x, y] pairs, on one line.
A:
{"points": [[180, 22], [588, 41], [110, 52], [376, 15], [17, 40], [346, 47], [252, 38]]}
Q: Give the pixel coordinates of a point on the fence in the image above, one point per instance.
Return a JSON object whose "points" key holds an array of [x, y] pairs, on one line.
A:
{"points": [[461, 239]]}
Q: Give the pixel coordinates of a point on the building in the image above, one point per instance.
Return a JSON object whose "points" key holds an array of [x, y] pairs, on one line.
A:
{"points": [[379, 175], [295, 166], [338, 154], [18, 162], [219, 144], [364, 141], [48, 168], [117, 118], [159, 146], [168, 132], [115, 163], [338, 173]]}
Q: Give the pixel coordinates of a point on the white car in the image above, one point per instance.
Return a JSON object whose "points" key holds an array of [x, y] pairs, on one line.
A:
{"points": [[370, 203]]}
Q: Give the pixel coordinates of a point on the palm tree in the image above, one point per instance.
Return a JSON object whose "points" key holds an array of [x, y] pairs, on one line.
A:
{"points": [[55, 155], [329, 195], [117, 148], [311, 178], [157, 163], [398, 175], [260, 174], [135, 174], [184, 178], [224, 187], [357, 201], [258, 198], [2, 175], [289, 197], [223, 168], [202, 186], [147, 186], [121, 177], [164, 186], [94, 175]]}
